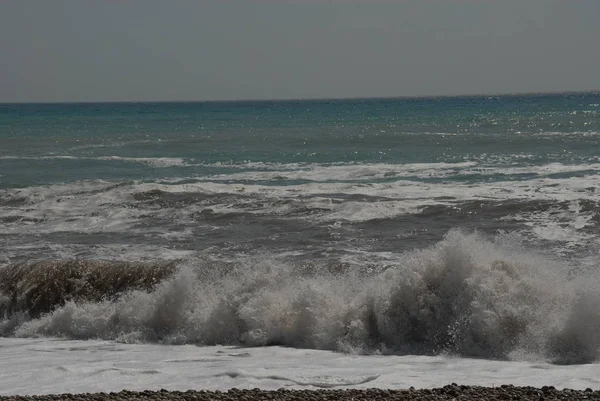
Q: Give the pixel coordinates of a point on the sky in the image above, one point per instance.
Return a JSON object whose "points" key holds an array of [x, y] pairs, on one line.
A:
{"points": [[145, 50]]}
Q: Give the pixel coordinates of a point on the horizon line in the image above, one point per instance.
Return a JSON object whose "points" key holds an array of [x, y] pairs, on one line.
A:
{"points": [[316, 98]]}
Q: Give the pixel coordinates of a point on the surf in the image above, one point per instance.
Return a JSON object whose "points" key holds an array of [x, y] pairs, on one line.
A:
{"points": [[468, 295]]}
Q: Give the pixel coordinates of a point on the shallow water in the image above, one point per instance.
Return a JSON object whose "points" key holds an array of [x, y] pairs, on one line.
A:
{"points": [[51, 366]]}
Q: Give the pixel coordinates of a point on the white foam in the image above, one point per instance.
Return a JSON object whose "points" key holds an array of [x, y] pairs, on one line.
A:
{"points": [[365, 211], [81, 207], [379, 171], [99, 206], [159, 162], [52, 366], [346, 172], [398, 197], [583, 134], [559, 225]]}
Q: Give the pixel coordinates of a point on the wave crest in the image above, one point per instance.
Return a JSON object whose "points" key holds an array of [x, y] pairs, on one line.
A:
{"points": [[39, 287]]}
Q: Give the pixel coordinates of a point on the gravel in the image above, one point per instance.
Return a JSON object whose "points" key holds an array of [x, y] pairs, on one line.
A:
{"points": [[449, 392]]}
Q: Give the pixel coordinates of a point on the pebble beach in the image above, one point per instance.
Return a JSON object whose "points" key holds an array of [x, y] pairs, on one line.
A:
{"points": [[449, 392]]}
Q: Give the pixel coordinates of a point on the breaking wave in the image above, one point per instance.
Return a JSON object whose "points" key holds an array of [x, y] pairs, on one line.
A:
{"points": [[40, 287], [467, 295]]}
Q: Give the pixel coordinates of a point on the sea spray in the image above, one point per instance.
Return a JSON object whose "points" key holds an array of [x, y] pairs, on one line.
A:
{"points": [[466, 295]]}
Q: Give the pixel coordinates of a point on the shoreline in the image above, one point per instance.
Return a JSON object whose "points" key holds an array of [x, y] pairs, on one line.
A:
{"points": [[449, 392]]}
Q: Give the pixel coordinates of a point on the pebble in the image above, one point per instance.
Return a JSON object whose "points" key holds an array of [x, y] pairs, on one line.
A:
{"points": [[449, 392]]}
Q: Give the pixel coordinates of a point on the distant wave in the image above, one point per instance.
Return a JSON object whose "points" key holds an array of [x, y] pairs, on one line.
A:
{"points": [[151, 161], [467, 296], [158, 162], [101, 206], [383, 171], [482, 166]]}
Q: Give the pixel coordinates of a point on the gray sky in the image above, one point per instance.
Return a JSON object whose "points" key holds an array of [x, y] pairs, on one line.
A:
{"points": [[103, 50]]}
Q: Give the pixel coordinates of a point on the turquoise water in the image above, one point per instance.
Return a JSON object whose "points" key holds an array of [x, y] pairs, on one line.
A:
{"points": [[52, 143]]}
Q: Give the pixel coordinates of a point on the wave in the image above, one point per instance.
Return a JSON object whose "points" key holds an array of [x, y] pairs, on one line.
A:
{"points": [[39, 287], [102, 207], [157, 162], [505, 167], [483, 166], [467, 295], [344, 172]]}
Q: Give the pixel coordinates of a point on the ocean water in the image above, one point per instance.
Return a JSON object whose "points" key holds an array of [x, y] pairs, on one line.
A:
{"points": [[418, 231]]}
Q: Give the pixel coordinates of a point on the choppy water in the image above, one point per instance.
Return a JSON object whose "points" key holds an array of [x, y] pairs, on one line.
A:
{"points": [[439, 225]]}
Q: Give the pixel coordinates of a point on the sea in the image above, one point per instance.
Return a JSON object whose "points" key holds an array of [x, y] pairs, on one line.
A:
{"points": [[300, 244]]}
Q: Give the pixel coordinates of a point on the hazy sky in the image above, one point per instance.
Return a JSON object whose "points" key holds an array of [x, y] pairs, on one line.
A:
{"points": [[88, 50]]}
